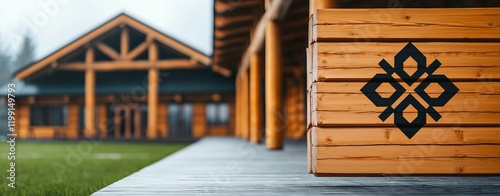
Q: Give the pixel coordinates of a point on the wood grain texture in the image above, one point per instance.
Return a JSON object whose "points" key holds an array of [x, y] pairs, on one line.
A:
{"points": [[461, 102], [321, 136], [366, 24], [359, 61], [347, 137], [370, 119], [432, 166], [479, 88], [407, 151]]}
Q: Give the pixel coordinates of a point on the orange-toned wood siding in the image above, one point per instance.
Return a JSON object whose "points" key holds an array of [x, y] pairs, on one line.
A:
{"points": [[199, 120], [346, 134]]}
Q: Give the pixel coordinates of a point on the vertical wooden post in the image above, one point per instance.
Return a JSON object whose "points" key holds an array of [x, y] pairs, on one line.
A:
{"points": [[245, 106], [103, 121], [255, 99], [153, 93], [237, 128], [89, 94], [124, 43], [321, 4], [273, 75], [199, 120], [128, 118], [118, 122]]}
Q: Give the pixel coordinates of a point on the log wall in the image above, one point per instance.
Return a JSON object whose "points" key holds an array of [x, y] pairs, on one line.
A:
{"points": [[347, 136]]}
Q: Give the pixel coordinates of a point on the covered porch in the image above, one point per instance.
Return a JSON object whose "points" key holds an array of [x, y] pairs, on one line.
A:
{"points": [[230, 166]]}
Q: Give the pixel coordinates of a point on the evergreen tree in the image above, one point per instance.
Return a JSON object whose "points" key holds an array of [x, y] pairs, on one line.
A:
{"points": [[5, 68], [26, 54]]}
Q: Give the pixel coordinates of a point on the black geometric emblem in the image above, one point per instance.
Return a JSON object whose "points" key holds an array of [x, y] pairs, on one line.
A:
{"points": [[409, 128]]}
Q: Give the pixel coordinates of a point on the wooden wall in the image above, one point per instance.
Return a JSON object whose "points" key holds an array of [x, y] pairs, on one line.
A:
{"points": [[163, 119], [70, 131], [199, 120], [346, 135]]}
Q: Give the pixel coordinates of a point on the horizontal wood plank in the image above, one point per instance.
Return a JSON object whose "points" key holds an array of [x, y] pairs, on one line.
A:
{"points": [[386, 135], [368, 54], [461, 102], [371, 119], [468, 23], [360, 61], [365, 74], [407, 151], [363, 166], [481, 87]]}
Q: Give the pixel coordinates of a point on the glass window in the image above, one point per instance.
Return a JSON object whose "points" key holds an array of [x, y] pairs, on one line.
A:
{"points": [[49, 116], [217, 114]]}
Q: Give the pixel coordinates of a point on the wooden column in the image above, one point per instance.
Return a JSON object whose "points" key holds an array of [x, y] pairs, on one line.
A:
{"points": [[89, 95], [128, 119], [237, 128], [322, 4], [199, 120], [245, 106], [153, 94], [124, 43], [273, 75], [255, 99], [103, 121]]}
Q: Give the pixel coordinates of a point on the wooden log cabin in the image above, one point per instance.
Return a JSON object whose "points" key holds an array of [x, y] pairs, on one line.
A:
{"points": [[272, 46], [289, 64], [124, 80]]}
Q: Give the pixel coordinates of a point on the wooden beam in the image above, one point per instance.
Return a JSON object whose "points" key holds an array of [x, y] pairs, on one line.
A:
{"points": [[224, 21], [273, 70], [227, 33], [153, 94], [258, 35], [137, 50], [221, 70], [160, 37], [110, 52], [222, 6], [322, 4], [255, 99], [89, 95], [71, 47], [224, 42], [124, 46], [130, 65]]}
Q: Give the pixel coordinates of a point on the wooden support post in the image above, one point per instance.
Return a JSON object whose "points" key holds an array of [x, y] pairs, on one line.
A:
{"points": [[255, 99], [153, 94], [89, 95], [321, 4], [128, 118], [244, 106], [137, 122], [103, 121], [237, 128], [273, 75], [124, 43]]}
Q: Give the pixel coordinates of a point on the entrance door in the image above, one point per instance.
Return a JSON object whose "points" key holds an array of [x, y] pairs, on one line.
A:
{"points": [[128, 121], [180, 119]]}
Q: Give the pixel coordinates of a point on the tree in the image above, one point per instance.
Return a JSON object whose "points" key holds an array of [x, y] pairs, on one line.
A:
{"points": [[5, 68], [26, 54]]}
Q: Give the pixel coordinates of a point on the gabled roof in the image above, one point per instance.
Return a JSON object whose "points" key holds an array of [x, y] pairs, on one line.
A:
{"points": [[120, 20]]}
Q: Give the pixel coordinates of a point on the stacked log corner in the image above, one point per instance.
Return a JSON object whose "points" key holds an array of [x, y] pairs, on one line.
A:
{"points": [[346, 136]]}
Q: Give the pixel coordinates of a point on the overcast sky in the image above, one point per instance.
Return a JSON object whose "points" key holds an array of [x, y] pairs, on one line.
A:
{"points": [[55, 23]]}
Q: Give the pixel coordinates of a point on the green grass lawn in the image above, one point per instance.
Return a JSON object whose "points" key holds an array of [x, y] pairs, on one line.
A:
{"points": [[76, 167]]}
